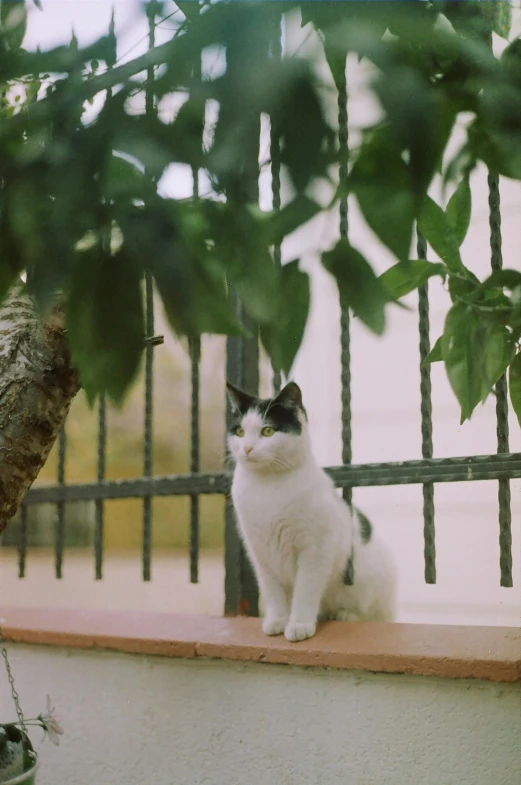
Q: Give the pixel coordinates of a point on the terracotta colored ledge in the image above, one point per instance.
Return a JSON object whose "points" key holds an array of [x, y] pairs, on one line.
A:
{"points": [[491, 653]]}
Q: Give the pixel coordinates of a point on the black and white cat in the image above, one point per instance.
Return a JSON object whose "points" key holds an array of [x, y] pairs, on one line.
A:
{"points": [[298, 532]]}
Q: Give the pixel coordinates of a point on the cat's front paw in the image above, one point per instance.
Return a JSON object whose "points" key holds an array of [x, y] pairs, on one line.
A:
{"points": [[273, 625], [300, 630]]}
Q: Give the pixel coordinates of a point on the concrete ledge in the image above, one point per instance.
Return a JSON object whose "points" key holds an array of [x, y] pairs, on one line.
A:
{"points": [[450, 651]]}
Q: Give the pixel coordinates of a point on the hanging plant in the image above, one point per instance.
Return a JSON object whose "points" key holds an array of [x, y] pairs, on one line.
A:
{"points": [[18, 760]]}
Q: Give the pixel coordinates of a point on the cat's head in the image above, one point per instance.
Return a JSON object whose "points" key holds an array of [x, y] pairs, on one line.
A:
{"points": [[268, 433]]}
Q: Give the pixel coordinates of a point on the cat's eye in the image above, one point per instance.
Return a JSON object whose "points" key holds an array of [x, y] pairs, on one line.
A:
{"points": [[267, 431], [239, 431]]}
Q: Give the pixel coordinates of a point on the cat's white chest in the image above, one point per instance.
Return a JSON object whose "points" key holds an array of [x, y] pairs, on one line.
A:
{"points": [[271, 521], [258, 502]]}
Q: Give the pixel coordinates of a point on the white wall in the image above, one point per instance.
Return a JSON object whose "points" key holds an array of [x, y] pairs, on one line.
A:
{"points": [[135, 720]]}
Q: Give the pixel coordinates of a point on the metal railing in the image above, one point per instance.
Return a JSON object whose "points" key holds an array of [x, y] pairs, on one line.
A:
{"points": [[242, 369]]}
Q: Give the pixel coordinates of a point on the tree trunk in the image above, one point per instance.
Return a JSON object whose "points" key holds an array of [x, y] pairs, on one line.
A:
{"points": [[37, 386]]}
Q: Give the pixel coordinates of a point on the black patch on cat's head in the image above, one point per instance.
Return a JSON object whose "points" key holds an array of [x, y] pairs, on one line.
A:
{"points": [[366, 529], [280, 412], [241, 402], [290, 395]]}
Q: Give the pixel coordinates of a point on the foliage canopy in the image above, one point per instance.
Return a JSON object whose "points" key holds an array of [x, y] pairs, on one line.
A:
{"points": [[81, 212]]}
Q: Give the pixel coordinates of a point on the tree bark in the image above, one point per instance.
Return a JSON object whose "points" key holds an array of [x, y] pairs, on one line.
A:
{"points": [[37, 386]]}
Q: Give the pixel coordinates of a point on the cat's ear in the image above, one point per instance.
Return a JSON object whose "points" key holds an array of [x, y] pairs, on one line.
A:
{"points": [[291, 395], [239, 400]]}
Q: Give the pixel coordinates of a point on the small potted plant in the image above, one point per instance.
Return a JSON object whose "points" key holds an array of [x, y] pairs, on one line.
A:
{"points": [[18, 760]]}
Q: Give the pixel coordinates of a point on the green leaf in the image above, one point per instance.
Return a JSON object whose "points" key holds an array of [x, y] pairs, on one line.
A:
{"points": [[412, 22], [190, 9], [511, 63], [195, 301], [362, 36], [41, 229], [436, 353], [257, 282], [13, 20], [476, 354], [323, 14], [489, 293], [191, 285], [358, 286], [154, 8], [499, 107], [278, 224], [435, 227], [499, 351], [148, 140], [343, 24], [419, 120], [403, 277], [459, 209], [462, 287], [7, 278], [381, 183], [514, 384], [508, 279], [336, 61], [500, 150], [468, 19], [302, 126], [460, 349], [283, 337], [123, 179], [330, 16], [105, 324], [187, 132], [460, 166], [11, 263], [240, 246]]}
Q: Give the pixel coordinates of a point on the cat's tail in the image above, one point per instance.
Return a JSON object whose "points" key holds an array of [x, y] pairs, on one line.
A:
{"points": [[375, 574]]}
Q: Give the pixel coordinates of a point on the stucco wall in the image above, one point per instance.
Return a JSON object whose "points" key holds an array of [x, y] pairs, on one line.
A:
{"points": [[131, 720]]}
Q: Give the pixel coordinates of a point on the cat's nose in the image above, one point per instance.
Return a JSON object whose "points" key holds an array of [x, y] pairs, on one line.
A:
{"points": [[247, 450]]}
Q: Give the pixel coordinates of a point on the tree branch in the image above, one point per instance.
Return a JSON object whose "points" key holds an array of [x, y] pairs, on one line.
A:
{"points": [[37, 386]]}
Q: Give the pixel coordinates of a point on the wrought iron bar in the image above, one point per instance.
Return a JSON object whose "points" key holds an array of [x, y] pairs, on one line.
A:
{"points": [[59, 538], [429, 543], [149, 348], [345, 340], [22, 541], [466, 469], [242, 370], [276, 54], [99, 506], [195, 435], [242, 357], [504, 500], [195, 354]]}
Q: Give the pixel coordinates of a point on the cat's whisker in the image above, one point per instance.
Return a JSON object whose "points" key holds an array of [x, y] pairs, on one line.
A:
{"points": [[276, 461]]}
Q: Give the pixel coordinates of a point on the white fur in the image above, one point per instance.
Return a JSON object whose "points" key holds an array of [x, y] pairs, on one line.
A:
{"points": [[299, 534]]}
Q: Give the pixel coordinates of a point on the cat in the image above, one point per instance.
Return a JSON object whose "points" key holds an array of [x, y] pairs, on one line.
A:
{"points": [[298, 532]]}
